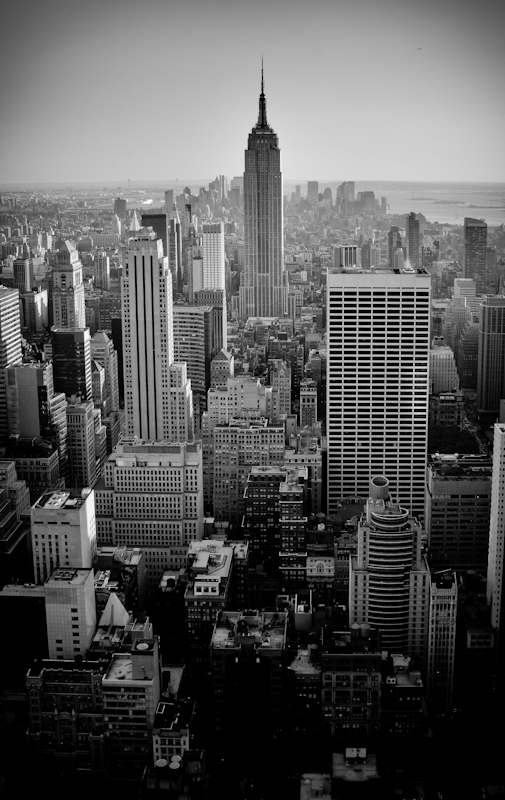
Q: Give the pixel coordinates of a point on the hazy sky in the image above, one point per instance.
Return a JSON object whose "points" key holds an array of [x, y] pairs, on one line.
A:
{"points": [[106, 90]]}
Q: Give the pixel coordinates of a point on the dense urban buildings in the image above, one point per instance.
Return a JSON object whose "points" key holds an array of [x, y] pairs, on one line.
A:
{"points": [[251, 508]]}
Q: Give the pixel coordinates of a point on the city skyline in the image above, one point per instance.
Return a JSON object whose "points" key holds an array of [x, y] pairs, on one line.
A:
{"points": [[319, 60]]}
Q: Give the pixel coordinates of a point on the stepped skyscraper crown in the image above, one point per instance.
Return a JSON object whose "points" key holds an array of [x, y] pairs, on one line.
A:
{"points": [[263, 291]]}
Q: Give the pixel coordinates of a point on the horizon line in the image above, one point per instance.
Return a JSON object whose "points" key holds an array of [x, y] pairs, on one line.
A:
{"points": [[159, 181]]}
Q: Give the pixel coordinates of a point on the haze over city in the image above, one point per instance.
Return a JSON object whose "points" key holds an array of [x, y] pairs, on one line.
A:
{"points": [[106, 91]]}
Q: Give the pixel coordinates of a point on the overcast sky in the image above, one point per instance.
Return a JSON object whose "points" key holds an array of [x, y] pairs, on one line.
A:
{"points": [[106, 90]]}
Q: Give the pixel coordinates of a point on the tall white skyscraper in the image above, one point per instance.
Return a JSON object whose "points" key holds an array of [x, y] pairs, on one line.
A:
{"points": [[213, 256], [152, 387], [377, 383], [263, 292], [208, 277], [148, 347]]}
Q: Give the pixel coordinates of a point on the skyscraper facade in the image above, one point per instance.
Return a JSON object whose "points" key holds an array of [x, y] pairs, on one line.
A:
{"points": [[72, 362], [10, 344], [213, 256], [263, 292], [389, 576], [148, 349], [312, 192], [214, 277], [63, 532], [442, 639], [475, 242], [394, 243], [102, 351], [34, 411], [491, 355], [496, 556], [151, 496], [377, 383], [413, 240], [68, 289]]}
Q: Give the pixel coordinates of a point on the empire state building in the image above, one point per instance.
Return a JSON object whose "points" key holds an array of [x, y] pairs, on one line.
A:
{"points": [[263, 291]]}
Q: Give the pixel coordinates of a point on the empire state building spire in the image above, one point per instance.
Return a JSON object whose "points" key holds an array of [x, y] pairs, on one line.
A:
{"points": [[262, 116]]}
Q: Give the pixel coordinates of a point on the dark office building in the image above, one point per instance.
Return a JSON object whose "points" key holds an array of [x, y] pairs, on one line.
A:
{"points": [[159, 224], [72, 362]]}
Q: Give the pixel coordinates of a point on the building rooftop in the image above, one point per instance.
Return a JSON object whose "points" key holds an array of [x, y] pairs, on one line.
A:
{"points": [[69, 666], [355, 764], [460, 467], [122, 668], [315, 785], [30, 449], [173, 716], [67, 499], [444, 579], [210, 563], [140, 451], [354, 640], [69, 576], [267, 629]]}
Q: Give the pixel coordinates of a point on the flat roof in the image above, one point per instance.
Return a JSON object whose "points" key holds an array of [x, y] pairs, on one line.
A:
{"points": [[64, 499], [68, 575], [267, 629]]}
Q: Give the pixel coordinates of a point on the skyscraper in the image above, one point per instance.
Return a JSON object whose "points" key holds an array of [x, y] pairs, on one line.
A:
{"points": [[213, 256], [491, 355], [194, 343], [102, 351], [81, 445], [389, 577], [312, 192], [496, 556], [159, 224], [34, 411], [474, 263], [10, 343], [442, 639], [147, 338], [394, 243], [68, 288], [209, 278], [263, 292], [72, 362], [413, 240], [377, 383]]}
